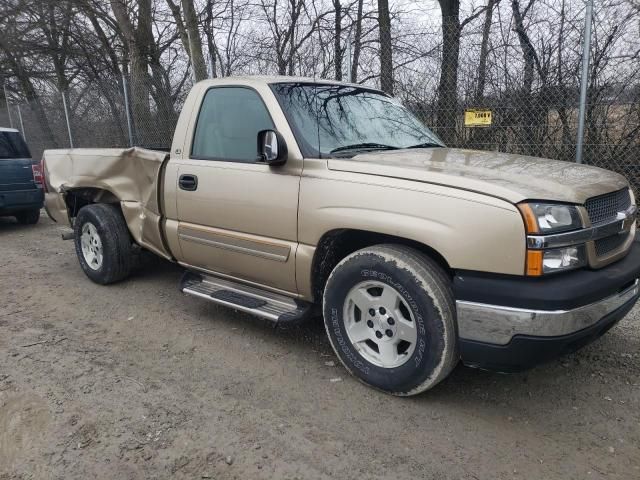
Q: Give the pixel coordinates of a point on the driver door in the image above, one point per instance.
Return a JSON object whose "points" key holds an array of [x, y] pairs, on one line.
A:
{"points": [[236, 217]]}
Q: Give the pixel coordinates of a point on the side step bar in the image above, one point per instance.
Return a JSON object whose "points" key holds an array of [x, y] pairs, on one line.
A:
{"points": [[262, 303]]}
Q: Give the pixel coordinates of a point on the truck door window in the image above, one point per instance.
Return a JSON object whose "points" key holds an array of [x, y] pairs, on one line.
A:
{"points": [[228, 125]]}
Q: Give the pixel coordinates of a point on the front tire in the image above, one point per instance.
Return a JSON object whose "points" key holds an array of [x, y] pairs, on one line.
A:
{"points": [[103, 243], [28, 217], [389, 313]]}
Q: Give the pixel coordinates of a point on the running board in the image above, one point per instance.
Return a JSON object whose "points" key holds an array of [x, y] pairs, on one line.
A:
{"points": [[262, 303]]}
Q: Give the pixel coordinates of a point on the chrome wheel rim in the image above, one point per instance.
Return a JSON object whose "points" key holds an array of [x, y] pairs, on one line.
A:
{"points": [[91, 246], [379, 324]]}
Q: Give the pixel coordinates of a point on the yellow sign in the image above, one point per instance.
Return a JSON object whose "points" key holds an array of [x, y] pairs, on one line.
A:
{"points": [[477, 118]]}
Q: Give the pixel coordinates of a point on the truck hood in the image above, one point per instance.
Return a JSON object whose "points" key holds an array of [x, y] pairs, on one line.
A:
{"points": [[508, 176]]}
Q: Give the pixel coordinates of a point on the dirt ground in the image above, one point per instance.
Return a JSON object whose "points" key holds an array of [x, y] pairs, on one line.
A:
{"points": [[136, 380]]}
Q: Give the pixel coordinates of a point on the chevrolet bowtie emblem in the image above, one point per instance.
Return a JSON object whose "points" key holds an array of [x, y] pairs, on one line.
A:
{"points": [[626, 222]]}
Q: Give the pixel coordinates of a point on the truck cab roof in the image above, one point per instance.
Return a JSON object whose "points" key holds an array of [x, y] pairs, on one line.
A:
{"points": [[274, 79]]}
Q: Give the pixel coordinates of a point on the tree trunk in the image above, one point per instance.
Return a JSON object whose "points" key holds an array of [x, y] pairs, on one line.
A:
{"points": [[482, 138], [180, 28], [136, 39], [105, 45], [528, 52], [357, 44], [337, 34], [292, 38], [484, 50], [447, 103], [195, 43], [211, 44], [532, 113], [386, 55]]}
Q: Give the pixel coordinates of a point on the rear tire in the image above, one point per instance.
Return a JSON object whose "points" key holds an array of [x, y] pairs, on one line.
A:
{"points": [[389, 312], [28, 217], [103, 243]]}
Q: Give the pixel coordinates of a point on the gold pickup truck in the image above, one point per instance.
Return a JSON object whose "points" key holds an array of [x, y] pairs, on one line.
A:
{"points": [[280, 194]]}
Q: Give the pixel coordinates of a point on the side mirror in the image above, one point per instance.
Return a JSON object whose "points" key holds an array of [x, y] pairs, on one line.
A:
{"points": [[272, 149]]}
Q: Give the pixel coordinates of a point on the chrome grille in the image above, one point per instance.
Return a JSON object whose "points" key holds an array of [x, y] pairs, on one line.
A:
{"points": [[609, 244], [605, 208]]}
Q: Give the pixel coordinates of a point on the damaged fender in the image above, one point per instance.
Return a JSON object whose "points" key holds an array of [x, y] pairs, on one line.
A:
{"points": [[131, 176]]}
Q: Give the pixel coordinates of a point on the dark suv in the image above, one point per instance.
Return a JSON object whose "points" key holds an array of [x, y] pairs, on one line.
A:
{"points": [[21, 190]]}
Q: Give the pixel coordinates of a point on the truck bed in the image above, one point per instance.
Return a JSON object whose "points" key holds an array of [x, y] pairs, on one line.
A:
{"points": [[128, 176]]}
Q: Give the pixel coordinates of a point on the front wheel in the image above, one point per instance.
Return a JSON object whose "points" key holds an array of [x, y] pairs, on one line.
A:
{"points": [[103, 243], [390, 316]]}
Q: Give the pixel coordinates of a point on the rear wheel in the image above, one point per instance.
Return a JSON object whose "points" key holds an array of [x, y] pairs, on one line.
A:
{"points": [[28, 217], [390, 316], [103, 243]]}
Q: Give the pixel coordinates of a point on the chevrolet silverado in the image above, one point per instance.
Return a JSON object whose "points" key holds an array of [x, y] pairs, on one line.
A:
{"points": [[280, 194]]}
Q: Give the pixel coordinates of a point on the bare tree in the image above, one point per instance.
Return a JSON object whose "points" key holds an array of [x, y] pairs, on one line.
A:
{"points": [[386, 53], [520, 58], [337, 34], [447, 105], [211, 41], [138, 38], [357, 43], [190, 36], [290, 31], [15, 67], [531, 60], [145, 56], [484, 49]]}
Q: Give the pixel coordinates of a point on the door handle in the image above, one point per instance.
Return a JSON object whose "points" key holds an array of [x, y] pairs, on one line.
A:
{"points": [[188, 182]]}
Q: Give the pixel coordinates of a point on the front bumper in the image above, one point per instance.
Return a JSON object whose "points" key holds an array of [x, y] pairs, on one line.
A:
{"points": [[528, 321]]}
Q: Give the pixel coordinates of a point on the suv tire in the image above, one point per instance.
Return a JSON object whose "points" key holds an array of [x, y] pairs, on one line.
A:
{"points": [[389, 312], [28, 217], [103, 243]]}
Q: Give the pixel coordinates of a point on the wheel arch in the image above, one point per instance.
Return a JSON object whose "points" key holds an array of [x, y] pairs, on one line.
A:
{"points": [[336, 244], [145, 230], [77, 198]]}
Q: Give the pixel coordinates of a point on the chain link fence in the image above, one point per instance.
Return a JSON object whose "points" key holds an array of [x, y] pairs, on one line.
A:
{"points": [[110, 113], [503, 97], [490, 96]]}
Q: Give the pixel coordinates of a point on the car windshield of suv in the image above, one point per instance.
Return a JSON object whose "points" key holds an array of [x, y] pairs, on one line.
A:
{"points": [[344, 120], [12, 146]]}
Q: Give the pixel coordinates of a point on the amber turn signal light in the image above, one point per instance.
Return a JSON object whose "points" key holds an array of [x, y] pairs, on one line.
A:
{"points": [[534, 263], [529, 217]]}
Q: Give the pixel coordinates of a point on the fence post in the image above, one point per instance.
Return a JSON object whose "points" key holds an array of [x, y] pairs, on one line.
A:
{"points": [[6, 100], [66, 116], [24, 135], [584, 80], [126, 109]]}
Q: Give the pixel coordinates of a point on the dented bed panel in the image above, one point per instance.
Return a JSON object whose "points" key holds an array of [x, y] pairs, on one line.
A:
{"points": [[131, 175]]}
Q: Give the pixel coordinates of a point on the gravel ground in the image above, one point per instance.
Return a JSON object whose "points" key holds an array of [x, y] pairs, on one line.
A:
{"points": [[135, 380]]}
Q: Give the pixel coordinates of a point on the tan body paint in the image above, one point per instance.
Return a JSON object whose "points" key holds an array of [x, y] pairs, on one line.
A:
{"points": [[261, 224]]}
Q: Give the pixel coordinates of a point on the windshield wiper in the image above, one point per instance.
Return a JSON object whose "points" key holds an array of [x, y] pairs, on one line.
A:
{"points": [[425, 145], [364, 146]]}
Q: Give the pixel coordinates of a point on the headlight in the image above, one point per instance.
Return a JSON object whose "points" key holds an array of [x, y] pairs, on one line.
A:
{"points": [[558, 259], [555, 260], [543, 218]]}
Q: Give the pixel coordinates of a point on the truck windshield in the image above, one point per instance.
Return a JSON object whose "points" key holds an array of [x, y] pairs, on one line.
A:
{"points": [[344, 120], [12, 146]]}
